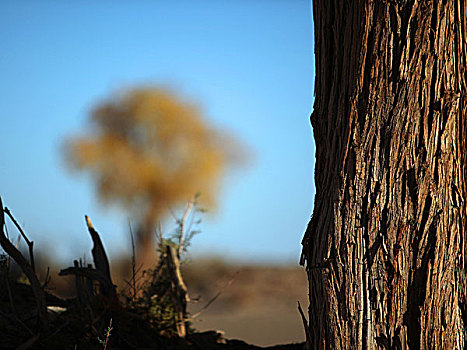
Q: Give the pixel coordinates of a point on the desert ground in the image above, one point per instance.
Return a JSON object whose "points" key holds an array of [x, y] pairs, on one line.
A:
{"points": [[257, 304]]}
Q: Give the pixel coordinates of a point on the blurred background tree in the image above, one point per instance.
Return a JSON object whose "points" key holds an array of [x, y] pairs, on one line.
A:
{"points": [[149, 151]]}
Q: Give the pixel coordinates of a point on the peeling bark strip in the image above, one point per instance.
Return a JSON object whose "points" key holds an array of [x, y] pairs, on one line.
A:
{"points": [[386, 245]]}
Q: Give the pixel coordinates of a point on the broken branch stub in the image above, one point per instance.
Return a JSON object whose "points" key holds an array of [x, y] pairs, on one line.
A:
{"points": [[101, 272], [101, 262]]}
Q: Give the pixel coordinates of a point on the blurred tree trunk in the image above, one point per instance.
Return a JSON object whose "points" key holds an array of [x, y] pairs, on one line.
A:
{"points": [[147, 235], [386, 245], [146, 249]]}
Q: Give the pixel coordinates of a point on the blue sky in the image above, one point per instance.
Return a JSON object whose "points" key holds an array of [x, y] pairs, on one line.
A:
{"points": [[250, 66]]}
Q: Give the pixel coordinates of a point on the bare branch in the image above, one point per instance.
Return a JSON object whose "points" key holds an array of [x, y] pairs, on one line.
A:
{"points": [[87, 272], [214, 298], [181, 241], [28, 271], [133, 263], [181, 294], [28, 242]]}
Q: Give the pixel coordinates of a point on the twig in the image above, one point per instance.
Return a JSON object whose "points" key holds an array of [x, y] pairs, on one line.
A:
{"points": [[58, 330], [28, 242], [15, 320], [7, 317], [174, 216], [109, 329], [305, 325], [16, 245], [47, 278], [130, 283], [133, 263], [218, 294], [188, 209], [28, 343], [7, 234], [158, 233], [10, 296], [26, 267], [13, 309]]}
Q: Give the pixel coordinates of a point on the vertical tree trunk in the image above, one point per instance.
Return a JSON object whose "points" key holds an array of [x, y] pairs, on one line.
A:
{"points": [[386, 245], [146, 249]]}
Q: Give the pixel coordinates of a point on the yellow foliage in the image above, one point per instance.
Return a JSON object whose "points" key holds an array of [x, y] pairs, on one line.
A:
{"points": [[150, 151]]}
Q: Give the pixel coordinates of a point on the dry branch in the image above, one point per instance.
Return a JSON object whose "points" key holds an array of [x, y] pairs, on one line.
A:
{"points": [[28, 270], [98, 253], [28, 242], [101, 273], [180, 294], [214, 298], [87, 272]]}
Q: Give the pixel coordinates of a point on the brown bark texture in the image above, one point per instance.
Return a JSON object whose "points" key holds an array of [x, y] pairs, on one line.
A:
{"points": [[385, 248]]}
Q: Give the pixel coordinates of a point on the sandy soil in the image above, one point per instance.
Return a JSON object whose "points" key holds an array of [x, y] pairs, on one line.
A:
{"points": [[257, 304]]}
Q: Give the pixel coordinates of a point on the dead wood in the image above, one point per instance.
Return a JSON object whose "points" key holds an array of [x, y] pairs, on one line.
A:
{"points": [[180, 292], [26, 267], [88, 273], [29, 243], [85, 276], [100, 259]]}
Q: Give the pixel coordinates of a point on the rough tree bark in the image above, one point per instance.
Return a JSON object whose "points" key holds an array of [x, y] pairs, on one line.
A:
{"points": [[385, 248]]}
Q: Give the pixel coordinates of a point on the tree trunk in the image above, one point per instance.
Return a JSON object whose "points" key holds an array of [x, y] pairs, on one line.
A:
{"points": [[146, 249], [386, 245]]}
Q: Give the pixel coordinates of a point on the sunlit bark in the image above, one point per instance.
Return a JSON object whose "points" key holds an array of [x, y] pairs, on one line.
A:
{"points": [[385, 248]]}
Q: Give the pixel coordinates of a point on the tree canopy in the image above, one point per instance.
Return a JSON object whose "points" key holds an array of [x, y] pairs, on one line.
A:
{"points": [[149, 150]]}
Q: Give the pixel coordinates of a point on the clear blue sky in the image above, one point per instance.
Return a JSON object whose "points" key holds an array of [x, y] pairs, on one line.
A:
{"points": [[249, 64]]}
